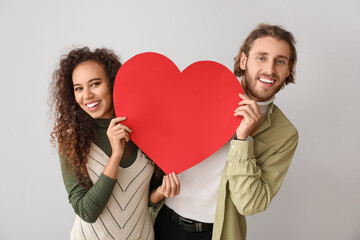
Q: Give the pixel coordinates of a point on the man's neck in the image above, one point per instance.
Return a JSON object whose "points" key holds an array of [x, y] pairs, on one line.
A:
{"points": [[264, 106]]}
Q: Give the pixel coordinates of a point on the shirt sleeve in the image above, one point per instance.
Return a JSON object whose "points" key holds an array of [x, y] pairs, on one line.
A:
{"points": [[154, 208], [87, 204], [252, 185]]}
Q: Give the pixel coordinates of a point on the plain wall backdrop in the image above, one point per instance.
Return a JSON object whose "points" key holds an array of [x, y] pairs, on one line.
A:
{"points": [[320, 196]]}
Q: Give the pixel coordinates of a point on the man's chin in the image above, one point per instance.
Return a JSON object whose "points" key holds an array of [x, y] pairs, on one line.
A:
{"points": [[262, 97]]}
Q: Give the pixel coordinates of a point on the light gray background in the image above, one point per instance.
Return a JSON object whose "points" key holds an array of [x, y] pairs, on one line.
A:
{"points": [[320, 196]]}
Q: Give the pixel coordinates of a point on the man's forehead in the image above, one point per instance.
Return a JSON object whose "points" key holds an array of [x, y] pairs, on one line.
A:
{"points": [[270, 46]]}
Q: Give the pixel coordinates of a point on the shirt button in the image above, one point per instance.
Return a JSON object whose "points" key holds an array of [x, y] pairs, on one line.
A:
{"points": [[232, 147]]}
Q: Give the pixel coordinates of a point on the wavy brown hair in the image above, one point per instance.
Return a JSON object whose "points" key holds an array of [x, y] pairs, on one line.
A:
{"points": [[74, 129], [265, 30]]}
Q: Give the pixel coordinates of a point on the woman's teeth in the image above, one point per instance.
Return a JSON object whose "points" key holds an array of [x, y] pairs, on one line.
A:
{"points": [[91, 105]]}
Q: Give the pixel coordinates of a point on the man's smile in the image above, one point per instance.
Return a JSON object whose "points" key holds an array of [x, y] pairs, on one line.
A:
{"points": [[266, 80]]}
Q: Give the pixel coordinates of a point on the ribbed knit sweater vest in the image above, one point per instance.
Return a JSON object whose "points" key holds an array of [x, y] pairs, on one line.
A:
{"points": [[126, 214]]}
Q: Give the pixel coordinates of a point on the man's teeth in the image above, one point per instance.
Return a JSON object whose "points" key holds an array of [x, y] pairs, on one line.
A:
{"points": [[265, 80], [91, 105]]}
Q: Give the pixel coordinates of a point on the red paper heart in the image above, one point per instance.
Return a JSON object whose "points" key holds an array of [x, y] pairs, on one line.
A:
{"points": [[178, 118]]}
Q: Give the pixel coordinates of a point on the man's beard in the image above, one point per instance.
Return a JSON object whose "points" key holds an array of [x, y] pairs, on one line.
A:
{"points": [[259, 96]]}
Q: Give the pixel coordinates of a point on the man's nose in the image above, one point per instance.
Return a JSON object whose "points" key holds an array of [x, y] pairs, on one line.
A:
{"points": [[270, 67]]}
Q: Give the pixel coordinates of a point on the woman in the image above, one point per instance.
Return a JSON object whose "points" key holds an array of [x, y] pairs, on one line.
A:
{"points": [[106, 176]]}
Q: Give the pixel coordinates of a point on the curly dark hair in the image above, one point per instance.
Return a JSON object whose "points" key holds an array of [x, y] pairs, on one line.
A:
{"points": [[74, 129]]}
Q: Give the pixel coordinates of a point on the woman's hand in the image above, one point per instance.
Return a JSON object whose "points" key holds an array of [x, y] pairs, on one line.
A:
{"points": [[118, 134], [170, 188]]}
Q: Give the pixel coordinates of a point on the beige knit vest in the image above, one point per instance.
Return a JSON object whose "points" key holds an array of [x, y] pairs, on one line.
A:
{"points": [[126, 214]]}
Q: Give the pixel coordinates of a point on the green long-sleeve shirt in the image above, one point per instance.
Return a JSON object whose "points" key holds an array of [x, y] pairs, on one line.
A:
{"points": [[89, 204], [253, 174]]}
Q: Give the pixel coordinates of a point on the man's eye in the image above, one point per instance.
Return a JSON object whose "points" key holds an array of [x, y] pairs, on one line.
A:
{"points": [[261, 58], [281, 62]]}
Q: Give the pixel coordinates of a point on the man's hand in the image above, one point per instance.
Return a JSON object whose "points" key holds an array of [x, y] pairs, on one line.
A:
{"points": [[249, 110]]}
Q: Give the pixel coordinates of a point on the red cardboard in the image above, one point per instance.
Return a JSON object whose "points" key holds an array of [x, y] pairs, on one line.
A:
{"points": [[178, 118]]}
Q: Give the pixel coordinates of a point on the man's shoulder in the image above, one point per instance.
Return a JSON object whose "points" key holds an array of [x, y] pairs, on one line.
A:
{"points": [[281, 124], [279, 118]]}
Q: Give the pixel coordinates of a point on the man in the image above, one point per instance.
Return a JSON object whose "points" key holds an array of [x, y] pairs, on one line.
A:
{"points": [[251, 167]]}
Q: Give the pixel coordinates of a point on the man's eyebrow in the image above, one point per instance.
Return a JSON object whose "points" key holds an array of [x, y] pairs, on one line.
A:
{"points": [[261, 53], [266, 54], [281, 56]]}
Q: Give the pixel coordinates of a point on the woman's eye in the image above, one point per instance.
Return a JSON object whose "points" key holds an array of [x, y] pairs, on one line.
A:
{"points": [[77, 89], [95, 84], [261, 58]]}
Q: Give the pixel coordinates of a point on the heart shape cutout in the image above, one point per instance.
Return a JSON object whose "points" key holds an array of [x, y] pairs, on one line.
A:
{"points": [[178, 118]]}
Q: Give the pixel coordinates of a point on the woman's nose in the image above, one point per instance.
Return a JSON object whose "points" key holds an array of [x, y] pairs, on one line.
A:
{"points": [[88, 94]]}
